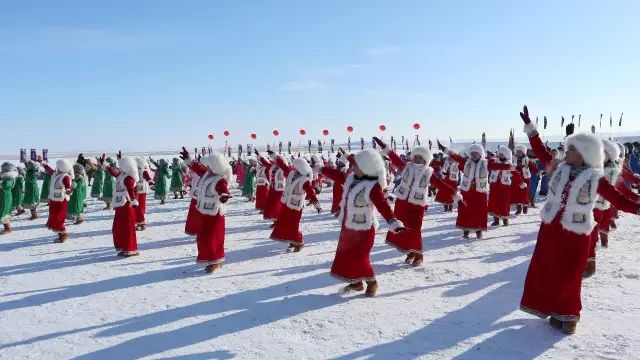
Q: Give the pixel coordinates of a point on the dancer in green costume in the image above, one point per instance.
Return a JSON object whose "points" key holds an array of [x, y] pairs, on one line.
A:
{"points": [[162, 174], [75, 211], [8, 174], [107, 188], [17, 193], [98, 182], [249, 188], [46, 183], [31, 189], [177, 178]]}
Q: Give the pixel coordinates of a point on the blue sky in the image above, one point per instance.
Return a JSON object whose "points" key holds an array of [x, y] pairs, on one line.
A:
{"points": [[151, 75]]}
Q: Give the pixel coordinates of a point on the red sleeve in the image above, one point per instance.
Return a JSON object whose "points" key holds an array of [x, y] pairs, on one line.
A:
{"points": [[441, 185], [146, 176], [380, 202], [457, 158], [113, 171], [48, 169], [396, 160], [264, 162], [351, 159], [311, 194], [540, 150], [222, 187], [198, 168], [494, 166], [334, 174], [624, 189], [609, 193], [629, 176], [130, 184], [66, 181], [282, 165]]}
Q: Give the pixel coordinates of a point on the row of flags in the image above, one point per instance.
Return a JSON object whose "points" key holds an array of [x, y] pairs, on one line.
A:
{"points": [[34, 155], [562, 121]]}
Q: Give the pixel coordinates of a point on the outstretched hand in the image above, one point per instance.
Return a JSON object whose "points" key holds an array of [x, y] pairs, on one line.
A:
{"points": [[255, 151], [101, 159], [184, 154], [119, 155], [524, 115], [440, 146], [380, 142], [570, 129]]}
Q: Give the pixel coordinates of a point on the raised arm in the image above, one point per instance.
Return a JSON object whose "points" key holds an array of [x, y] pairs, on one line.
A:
{"points": [[616, 198], [283, 166], [48, 169], [624, 189], [113, 171], [336, 175], [493, 165], [629, 176], [393, 156], [537, 145]]}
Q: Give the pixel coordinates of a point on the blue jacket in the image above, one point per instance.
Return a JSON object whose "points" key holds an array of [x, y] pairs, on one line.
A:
{"points": [[634, 162]]}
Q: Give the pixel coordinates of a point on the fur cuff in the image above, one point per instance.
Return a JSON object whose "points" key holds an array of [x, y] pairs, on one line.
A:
{"points": [[523, 186], [134, 203], [395, 224], [457, 197], [530, 129]]}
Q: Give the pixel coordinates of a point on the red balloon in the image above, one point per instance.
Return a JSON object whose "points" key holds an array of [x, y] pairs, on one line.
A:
{"points": [[254, 136], [303, 131], [276, 132], [383, 128], [416, 126], [350, 128], [210, 136], [227, 133], [325, 132]]}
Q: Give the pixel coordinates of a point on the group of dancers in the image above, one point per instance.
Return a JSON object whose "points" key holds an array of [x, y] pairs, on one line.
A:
{"points": [[589, 182]]}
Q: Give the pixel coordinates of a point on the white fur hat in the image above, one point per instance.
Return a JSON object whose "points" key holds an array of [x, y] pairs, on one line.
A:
{"points": [[623, 150], [589, 146], [370, 163], [476, 148], [302, 166], [520, 147], [505, 151], [141, 162], [128, 166], [64, 166], [422, 152], [218, 164], [611, 150]]}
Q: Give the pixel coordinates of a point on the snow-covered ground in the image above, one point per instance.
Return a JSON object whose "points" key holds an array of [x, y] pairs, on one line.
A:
{"points": [[78, 300]]}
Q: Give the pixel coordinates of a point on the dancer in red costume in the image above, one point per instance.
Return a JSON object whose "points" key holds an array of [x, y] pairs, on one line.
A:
{"points": [[363, 192], [521, 196], [451, 176], [262, 180], [59, 193], [554, 279], [501, 183], [142, 188], [338, 175], [277, 178]]}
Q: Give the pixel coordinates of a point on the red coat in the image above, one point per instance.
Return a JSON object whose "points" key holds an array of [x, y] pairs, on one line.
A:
{"points": [[274, 205], [142, 202], [522, 195], [338, 177], [352, 263], [262, 191], [411, 215], [58, 209], [500, 196], [211, 231], [124, 220], [554, 279], [287, 227], [473, 211]]}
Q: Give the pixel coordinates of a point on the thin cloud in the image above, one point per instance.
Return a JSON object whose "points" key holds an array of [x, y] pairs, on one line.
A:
{"points": [[384, 50], [303, 85], [343, 69]]}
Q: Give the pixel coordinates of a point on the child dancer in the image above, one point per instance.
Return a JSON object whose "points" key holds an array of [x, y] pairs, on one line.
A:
{"points": [[363, 192], [500, 185], [162, 174], [98, 182], [18, 191], [142, 188], [248, 189], [193, 222], [338, 176], [125, 200], [554, 279], [177, 179], [520, 196], [31, 189], [278, 176], [59, 192], [107, 188], [75, 211], [287, 226], [451, 176], [8, 174], [263, 168]]}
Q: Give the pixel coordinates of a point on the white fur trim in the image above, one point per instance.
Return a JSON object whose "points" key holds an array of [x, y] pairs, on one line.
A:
{"points": [[506, 152], [9, 175], [529, 128], [370, 163], [623, 150], [135, 203], [218, 164], [611, 150], [142, 162], [64, 166], [423, 152], [589, 146], [128, 166], [520, 148], [476, 148], [395, 224], [302, 166]]}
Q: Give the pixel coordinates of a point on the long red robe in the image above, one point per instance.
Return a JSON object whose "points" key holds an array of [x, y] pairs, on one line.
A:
{"points": [[287, 227], [352, 263], [338, 177], [262, 191], [58, 209], [141, 210], [520, 195], [554, 279], [274, 205], [500, 196], [124, 220]]}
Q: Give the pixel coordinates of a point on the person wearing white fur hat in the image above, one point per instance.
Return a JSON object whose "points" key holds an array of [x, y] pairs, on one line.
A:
{"points": [[59, 192], [142, 188], [554, 279], [263, 184], [501, 183], [125, 200], [339, 176], [8, 174], [451, 176], [363, 194], [411, 199], [316, 164], [473, 212], [521, 196], [279, 171], [298, 188], [75, 210], [31, 189], [215, 173]]}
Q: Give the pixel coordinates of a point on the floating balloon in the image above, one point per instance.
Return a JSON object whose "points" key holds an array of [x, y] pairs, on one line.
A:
{"points": [[227, 133], [276, 132], [350, 128], [416, 126], [254, 136], [303, 132], [382, 128], [325, 132], [210, 136]]}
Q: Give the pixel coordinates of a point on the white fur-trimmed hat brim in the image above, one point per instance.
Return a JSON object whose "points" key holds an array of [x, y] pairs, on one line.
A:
{"points": [[370, 163], [302, 166], [589, 146], [423, 152]]}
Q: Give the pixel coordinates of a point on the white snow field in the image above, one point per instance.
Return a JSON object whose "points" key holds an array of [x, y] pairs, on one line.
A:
{"points": [[78, 300]]}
